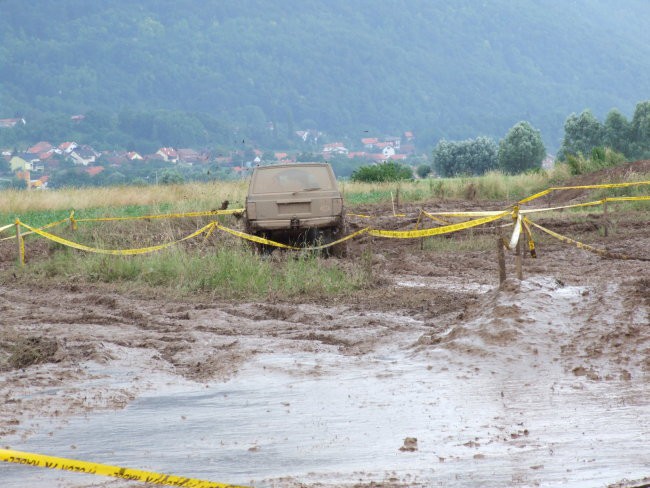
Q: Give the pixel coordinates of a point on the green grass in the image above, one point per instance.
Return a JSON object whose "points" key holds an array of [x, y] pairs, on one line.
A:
{"points": [[224, 272]]}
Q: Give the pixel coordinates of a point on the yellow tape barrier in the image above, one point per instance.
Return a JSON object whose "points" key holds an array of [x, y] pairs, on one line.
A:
{"points": [[119, 252], [446, 229], [583, 187], [268, 242], [43, 461], [587, 204], [6, 227], [48, 226], [586, 247], [207, 213]]}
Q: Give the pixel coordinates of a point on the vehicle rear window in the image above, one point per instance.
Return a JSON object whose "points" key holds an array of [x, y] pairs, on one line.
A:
{"points": [[281, 180]]}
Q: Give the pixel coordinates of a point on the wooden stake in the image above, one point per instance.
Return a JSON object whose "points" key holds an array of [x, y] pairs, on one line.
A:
{"points": [[605, 219], [518, 263], [21, 245], [501, 259]]}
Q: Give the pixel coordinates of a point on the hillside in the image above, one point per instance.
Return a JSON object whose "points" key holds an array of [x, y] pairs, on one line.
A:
{"points": [[263, 70]]}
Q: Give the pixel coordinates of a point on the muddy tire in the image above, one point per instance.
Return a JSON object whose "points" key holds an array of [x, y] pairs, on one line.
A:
{"points": [[339, 250]]}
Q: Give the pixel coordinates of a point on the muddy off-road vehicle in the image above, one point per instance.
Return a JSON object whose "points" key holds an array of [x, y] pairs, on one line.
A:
{"points": [[297, 204]]}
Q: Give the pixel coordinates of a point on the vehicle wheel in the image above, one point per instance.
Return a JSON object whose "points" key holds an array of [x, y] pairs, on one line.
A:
{"points": [[339, 250]]}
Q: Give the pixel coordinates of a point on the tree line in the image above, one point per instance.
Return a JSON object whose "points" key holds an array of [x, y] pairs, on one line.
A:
{"points": [[522, 148]]}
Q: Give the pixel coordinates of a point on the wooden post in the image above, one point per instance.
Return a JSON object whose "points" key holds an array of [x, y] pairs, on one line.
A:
{"points": [[73, 222], [605, 219], [518, 263], [397, 198], [21, 245], [501, 258]]}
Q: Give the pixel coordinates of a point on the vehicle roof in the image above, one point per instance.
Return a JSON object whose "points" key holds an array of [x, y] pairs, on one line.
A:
{"points": [[290, 165]]}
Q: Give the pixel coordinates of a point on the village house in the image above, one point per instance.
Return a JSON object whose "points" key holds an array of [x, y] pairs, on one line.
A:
{"points": [[168, 154], [67, 147], [26, 162], [10, 123], [84, 155], [334, 148], [40, 147]]}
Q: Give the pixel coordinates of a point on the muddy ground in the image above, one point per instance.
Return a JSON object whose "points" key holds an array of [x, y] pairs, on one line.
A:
{"points": [[578, 322]]}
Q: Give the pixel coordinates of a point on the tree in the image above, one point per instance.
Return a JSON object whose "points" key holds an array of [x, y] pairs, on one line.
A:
{"points": [[617, 132], [388, 171], [423, 170], [171, 177], [4, 166], [581, 133], [522, 149], [641, 129], [469, 157]]}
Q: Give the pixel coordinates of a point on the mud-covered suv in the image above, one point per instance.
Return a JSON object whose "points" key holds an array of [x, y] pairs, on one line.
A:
{"points": [[297, 203]]}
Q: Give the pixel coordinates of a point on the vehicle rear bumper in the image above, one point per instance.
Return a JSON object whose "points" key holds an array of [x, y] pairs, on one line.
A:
{"points": [[298, 223]]}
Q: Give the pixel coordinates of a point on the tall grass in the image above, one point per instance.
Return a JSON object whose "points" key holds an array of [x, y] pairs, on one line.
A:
{"points": [[225, 272]]}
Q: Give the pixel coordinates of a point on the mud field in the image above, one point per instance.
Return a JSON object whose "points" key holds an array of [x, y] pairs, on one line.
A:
{"points": [[435, 377]]}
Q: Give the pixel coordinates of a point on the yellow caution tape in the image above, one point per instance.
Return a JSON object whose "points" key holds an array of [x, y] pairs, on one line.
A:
{"points": [[339, 241], [414, 234], [362, 216], [5, 227], [484, 213], [587, 204], [586, 247], [583, 187], [119, 252], [531, 242], [48, 226], [65, 464], [433, 217], [268, 242], [252, 238], [206, 213]]}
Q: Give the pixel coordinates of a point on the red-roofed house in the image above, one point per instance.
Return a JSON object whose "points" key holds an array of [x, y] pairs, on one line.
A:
{"points": [[40, 147], [369, 141], [280, 156], [334, 148], [9, 123], [169, 154], [68, 147], [133, 156], [94, 170]]}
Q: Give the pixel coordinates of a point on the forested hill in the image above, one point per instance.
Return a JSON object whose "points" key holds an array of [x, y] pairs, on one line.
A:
{"points": [[442, 69]]}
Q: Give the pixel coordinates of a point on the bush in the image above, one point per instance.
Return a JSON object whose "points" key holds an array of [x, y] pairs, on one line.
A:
{"points": [[423, 170], [470, 157], [388, 171]]}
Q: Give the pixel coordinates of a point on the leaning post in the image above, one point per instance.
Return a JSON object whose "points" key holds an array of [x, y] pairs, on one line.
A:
{"points": [[501, 259], [21, 245]]}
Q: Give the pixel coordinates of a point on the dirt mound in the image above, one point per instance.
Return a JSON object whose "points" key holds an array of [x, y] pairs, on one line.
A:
{"points": [[616, 174]]}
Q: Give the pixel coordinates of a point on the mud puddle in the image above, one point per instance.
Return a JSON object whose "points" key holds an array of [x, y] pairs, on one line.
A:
{"points": [[330, 419], [537, 383]]}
